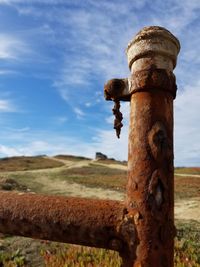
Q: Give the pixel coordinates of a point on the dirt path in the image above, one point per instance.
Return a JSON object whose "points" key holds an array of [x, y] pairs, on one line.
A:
{"points": [[72, 164], [112, 166], [82, 163], [77, 190], [188, 209]]}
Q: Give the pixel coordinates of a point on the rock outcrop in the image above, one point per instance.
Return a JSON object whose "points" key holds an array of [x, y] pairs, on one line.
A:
{"points": [[100, 156]]}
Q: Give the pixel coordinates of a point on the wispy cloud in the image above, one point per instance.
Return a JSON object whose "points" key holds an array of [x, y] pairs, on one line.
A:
{"points": [[15, 143], [80, 114], [7, 106], [61, 120], [36, 143], [178, 16], [7, 72], [11, 47], [187, 127], [88, 44], [48, 2], [7, 151], [18, 130]]}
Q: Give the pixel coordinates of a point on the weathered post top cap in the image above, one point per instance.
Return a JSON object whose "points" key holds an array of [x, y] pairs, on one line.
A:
{"points": [[155, 44]]}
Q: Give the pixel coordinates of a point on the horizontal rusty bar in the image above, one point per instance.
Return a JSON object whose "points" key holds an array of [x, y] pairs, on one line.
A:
{"points": [[80, 221]]}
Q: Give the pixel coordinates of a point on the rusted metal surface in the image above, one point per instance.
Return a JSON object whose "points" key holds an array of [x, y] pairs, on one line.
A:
{"points": [[118, 118], [88, 222], [116, 89], [150, 189], [153, 79]]}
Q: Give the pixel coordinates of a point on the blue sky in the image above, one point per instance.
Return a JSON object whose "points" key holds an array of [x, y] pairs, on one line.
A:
{"points": [[55, 57]]}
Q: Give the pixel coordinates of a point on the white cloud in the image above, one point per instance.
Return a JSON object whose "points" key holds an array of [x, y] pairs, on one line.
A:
{"points": [[18, 130], [29, 142], [88, 104], [187, 126], [33, 148], [53, 145], [79, 112], [174, 14], [92, 49], [8, 2], [7, 72], [74, 73], [61, 120], [6, 106], [38, 143], [7, 151], [11, 47], [107, 142]]}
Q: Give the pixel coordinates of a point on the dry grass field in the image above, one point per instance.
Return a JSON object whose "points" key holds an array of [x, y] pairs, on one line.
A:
{"points": [[79, 176], [27, 163]]}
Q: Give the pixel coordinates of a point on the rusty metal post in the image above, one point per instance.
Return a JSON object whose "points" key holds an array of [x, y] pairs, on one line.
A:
{"points": [[150, 189]]}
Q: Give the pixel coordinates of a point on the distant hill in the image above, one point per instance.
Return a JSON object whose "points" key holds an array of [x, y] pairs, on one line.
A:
{"points": [[23, 163], [28, 163], [71, 157]]}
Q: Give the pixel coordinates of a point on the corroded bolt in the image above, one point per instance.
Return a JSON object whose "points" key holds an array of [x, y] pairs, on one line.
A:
{"points": [[115, 88]]}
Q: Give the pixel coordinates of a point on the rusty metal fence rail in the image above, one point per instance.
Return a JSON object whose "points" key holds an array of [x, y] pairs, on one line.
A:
{"points": [[141, 228]]}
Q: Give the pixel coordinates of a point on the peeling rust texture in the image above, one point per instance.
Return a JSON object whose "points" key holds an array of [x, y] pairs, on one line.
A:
{"points": [[118, 118], [70, 220], [153, 78], [117, 89], [150, 176]]}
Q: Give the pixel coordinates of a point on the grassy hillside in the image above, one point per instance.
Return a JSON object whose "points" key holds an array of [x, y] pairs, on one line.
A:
{"points": [[27, 163], [71, 158], [96, 175], [185, 170]]}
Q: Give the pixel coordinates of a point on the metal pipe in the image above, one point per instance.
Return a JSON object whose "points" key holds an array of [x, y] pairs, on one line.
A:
{"points": [[151, 89], [89, 222], [150, 190]]}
